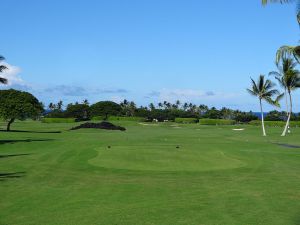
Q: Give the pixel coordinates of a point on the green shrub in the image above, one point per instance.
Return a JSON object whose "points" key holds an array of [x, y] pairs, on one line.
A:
{"points": [[275, 123], [186, 120], [58, 120], [216, 122], [120, 118]]}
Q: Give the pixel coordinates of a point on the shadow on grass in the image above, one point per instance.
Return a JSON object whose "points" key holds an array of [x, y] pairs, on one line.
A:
{"points": [[28, 131], [6, 176], [14, 155], [23, 141], [288, 145]]}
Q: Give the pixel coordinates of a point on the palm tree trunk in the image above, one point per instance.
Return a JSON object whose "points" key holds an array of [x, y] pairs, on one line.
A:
{"points": [[287, 107], [289, 117], [262, 118]]}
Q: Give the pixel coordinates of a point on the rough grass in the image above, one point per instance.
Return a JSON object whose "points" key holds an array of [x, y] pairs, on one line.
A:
{"points": [[217, 176]]}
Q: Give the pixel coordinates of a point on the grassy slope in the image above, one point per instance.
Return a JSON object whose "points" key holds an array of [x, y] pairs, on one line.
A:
{"points": [[216, 177]]}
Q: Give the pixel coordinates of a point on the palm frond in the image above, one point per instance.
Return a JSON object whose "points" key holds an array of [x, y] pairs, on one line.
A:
{"points": [[264, 2], [275, 74], [272, 102], [286, 51], [2, 68], [251, 92], [3, 80]]}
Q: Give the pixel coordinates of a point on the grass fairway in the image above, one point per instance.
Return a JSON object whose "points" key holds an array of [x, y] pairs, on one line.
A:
{"points": [[217, 176]]}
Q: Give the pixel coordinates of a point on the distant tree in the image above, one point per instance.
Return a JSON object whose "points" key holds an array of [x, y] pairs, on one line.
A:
{"points": [[185, 106], [85, 102], [213, 113], [18, 105], [264, 90], [2, 68], [51, 106], [79, 111], [105, 108], [202, 109], [152, 106], [244, 117], [275, 115], [132, 108], [226, 113], [60, 105], [178, 103]]}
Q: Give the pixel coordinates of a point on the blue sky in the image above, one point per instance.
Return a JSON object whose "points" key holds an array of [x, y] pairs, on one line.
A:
{"points": [[142, 50]]}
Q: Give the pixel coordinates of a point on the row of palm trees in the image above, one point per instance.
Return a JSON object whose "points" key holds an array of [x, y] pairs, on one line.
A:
{"points": [[287, 76]]}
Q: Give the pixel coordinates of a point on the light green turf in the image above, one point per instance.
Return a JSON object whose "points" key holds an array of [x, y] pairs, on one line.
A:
{"points": [[217, 176]]}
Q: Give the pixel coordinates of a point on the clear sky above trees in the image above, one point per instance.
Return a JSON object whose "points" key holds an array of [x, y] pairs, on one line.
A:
{"points": [[200, 51]]}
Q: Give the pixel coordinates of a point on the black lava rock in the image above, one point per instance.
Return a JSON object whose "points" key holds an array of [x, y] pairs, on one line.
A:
{"points": [[102, 125]]}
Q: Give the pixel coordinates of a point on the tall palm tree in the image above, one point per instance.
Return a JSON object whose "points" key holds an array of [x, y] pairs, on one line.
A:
{"points": [[2, 68], [291, 81], [280, 75], [264, 90]]}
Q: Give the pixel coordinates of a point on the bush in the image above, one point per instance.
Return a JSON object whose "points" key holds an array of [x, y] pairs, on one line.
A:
{"points": [[58, 120], [127, 118], [275, 123], [120, 118], [78, 111], [186, 120], [216, 122]]}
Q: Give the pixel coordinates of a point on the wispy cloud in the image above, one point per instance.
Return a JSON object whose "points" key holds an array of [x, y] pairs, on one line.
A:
{"points": [[186, 94]]}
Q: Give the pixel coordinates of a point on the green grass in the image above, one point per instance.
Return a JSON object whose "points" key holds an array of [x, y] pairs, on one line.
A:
{"points": [[217, 177]]}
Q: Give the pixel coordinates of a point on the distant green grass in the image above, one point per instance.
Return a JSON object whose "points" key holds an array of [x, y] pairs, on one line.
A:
{"points": [[217, 176]]}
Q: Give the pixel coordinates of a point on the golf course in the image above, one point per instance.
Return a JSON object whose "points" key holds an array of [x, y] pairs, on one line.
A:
{"points": [[152, 173]]}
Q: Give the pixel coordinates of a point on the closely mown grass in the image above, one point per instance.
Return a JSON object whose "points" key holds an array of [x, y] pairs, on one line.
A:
{"points": [[152, 174]]}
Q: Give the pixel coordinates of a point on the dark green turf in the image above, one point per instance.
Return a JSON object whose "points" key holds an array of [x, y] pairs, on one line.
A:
{"points": [[216, 176]]}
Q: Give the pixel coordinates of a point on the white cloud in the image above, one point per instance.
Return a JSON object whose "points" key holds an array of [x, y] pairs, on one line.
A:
{"points": [[12, 75], [192, 95]]}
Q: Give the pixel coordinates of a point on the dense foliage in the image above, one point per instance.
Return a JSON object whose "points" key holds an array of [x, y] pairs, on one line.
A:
{"points": [[182, 113], [105, 108], [18, 105]]}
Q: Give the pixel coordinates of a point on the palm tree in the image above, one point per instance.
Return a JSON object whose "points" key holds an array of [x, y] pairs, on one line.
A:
{"points": [[287, 64], [151, 106], [2, 68], [291, 81], [264, 90]]}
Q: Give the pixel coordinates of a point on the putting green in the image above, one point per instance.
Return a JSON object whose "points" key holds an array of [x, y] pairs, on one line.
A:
{"points": [[164, 158]]}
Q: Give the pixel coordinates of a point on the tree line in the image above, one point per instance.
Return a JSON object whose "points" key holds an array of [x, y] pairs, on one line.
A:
{"points": [[163, 111]]}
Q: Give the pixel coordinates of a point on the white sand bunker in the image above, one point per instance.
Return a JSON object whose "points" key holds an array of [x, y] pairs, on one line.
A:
{"points": [[148, 124], [240, 129]]}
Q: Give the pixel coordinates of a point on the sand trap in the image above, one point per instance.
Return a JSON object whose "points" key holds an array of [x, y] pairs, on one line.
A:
{"points": [[176, 127], [241, 129], [146, 124]]}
